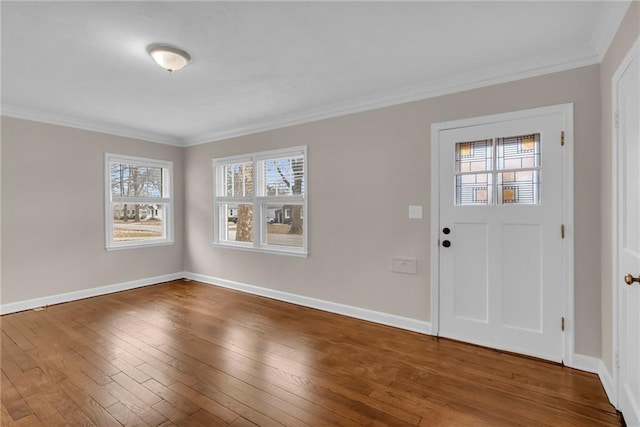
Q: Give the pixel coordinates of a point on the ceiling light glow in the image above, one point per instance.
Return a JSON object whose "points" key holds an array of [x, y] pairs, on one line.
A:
{"points": [[168, 57]]}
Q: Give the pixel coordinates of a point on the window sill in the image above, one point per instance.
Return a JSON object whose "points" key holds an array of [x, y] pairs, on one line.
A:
{"points": [[273, 251], [139, 245]]}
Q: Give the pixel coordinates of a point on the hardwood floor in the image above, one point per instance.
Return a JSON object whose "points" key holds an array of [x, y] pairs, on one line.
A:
{"points": [[188, 354]]}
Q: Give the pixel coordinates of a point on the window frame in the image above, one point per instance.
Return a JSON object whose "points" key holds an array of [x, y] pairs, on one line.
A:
{"points": [[109, 201], [259, 202]]}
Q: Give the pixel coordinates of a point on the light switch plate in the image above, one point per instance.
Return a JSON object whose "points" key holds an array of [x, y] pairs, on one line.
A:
{"points": [[403, 265], [415, 212]]}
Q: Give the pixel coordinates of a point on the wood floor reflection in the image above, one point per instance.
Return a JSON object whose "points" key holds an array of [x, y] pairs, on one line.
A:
{"points": [[189, 354]]}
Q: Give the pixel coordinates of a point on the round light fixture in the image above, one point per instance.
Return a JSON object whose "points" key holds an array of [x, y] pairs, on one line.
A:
{"points": [[168, 57]]}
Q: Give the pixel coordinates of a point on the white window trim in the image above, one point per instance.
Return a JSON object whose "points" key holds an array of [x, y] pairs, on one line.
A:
{"points": [[110, 245], [259, 201]]}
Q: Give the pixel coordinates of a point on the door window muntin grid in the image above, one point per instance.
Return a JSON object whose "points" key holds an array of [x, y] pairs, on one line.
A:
{"points": [[498, 171]]}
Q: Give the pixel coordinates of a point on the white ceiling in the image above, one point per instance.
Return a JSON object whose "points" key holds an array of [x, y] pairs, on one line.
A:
{"points": [[263, 65]]}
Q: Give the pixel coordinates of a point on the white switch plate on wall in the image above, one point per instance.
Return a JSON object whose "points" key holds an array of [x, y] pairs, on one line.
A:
{"points": [[404, 265], [415, 212]]}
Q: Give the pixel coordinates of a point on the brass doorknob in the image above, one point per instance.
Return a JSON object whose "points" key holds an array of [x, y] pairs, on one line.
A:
{"points": [[629, 279]]}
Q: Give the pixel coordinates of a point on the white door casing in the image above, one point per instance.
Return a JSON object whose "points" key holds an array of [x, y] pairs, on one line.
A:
{"points": [[626, 254], [506, 280]]}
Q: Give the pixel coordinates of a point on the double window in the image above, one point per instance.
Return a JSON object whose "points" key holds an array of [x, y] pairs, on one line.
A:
{"points": [[259, 200], [139, 202]]}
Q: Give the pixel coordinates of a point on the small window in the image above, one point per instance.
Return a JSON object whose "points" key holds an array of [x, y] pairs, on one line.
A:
{"points": [[259, 199], [139, 202], [500, 171]]}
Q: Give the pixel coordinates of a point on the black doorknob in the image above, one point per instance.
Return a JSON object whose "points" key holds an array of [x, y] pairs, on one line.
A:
{"points": [[446, 230], [446, 243]]}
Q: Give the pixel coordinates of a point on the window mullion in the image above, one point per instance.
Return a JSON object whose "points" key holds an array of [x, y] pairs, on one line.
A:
{"points": [[494, 173], [257, 186], [238, 200], [257, 178], [296, 200], [141, 200], [257, 223]]}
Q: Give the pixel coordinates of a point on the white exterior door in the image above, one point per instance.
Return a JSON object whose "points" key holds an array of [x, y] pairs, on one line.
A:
{"points": [[628, 142], [501, 249]]}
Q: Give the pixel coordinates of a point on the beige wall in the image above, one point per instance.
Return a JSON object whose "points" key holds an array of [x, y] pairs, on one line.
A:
{"points": [[45, 169], [53, 212], [359, 220], [628, 33]]}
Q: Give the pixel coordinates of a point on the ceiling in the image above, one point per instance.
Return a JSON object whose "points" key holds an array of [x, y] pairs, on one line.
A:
{"points": [[263, 65]]}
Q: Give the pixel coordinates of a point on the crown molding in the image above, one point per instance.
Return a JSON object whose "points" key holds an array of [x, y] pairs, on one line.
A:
{"points": [[460, 83], [557, 62], [607, 25], [87, 124]]}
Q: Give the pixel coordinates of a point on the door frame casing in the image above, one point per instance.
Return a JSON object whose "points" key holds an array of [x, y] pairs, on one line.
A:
{"points": [[615, 182], [566, 111]]}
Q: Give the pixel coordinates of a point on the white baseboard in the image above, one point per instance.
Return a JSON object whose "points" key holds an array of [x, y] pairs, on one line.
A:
{"points": [[607, 382], [580, 361], [596, 366], [85, 293], [333, 307], [586, 363]]}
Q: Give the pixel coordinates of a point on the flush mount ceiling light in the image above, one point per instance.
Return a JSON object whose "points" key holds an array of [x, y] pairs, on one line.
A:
{"points": [[169, 57]]}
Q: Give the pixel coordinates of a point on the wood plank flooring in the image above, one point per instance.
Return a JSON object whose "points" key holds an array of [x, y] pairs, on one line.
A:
{"points": [[188, 354]]}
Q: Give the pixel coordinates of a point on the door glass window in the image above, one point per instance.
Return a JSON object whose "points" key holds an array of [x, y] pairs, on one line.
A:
{"points": [[473, 183], [500, 171]]}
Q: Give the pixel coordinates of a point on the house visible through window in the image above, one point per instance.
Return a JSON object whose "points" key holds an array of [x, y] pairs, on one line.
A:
{"points": [[139, 203], [498, 171], [259, 199]]}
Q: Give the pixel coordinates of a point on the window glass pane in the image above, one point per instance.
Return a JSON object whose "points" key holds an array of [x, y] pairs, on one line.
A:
{"points": [[138, 222], [237, 180], [474, 189], [517, 152], [474, 156], [284, 225], [236, 221], [135, 181], [519, 187], [283, 177]]}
